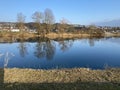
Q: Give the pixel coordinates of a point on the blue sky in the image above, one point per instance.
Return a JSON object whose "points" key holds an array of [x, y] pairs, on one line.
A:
{"points": [[76, 11]]}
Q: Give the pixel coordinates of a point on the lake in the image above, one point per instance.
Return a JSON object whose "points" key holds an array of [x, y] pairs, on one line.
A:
{"points": [[94, 53]]}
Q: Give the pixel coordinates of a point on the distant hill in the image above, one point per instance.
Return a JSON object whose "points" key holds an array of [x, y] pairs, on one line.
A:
{"points": [[112, 23]]}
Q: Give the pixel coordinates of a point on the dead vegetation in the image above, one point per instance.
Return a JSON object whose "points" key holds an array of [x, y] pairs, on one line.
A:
{"points": [[60, 79], [61, 76]]}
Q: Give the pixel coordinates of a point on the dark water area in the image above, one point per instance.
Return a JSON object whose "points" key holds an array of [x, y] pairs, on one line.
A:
{"points": [[44, 53]]}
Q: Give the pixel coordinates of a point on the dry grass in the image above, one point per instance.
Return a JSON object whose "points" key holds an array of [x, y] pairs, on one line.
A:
{"points": [[63, 79], [54, 35], [66, 35], [61, 76], [108, 34]]}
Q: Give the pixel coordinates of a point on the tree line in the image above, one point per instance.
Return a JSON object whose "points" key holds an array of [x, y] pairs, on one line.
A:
{"points": [[43, 22]]}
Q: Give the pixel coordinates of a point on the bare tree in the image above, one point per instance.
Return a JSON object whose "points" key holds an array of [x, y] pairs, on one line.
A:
{"points": [[21, 21], [94, 31], [37, 17], [92, 26], [63, 25], [49, 19]]}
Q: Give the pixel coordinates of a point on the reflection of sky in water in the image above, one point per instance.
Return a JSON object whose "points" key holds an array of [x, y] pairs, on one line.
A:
{"points": [[93, 53], [114, 40]]}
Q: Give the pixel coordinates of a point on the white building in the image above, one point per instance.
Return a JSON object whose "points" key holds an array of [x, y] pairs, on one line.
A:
{"points": [[15, 30]]}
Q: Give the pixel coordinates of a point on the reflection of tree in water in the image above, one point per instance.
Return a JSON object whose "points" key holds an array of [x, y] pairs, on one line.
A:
{"points": [[50, 49], [92, 41], [45, 48], [65, 44], [40, 48], [23, 48]]}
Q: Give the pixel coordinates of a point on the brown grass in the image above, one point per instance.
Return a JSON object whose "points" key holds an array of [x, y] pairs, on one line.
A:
{"points": [[63, 79], [61, 76], [66, 35], [54, 35]]}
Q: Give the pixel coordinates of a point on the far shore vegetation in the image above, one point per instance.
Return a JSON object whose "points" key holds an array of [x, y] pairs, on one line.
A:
{"points": [[44, 25]]}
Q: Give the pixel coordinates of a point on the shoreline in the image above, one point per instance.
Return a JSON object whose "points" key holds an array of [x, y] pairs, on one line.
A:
{"points": [[61, 75], [7, 36], [63, 79]]}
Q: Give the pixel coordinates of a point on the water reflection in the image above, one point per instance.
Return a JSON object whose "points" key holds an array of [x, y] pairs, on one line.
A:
{"points": [[91, 42], [7, 55], [65, 44], [1, 54], [35, 53], [45, 48], [23, 49]]}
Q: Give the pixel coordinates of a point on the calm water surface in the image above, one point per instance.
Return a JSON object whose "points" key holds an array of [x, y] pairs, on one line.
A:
{"points": [[48, 54]]}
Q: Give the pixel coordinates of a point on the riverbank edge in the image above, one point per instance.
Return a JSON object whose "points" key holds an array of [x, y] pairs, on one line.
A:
{"points": [[61, 75], [55, 35], [60, 79]]}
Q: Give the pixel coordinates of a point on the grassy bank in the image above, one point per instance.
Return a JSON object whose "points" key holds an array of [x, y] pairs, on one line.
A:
{"points": [[27, 35], [63, 79], [66, 35], [50, 35], [61, 76]]}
